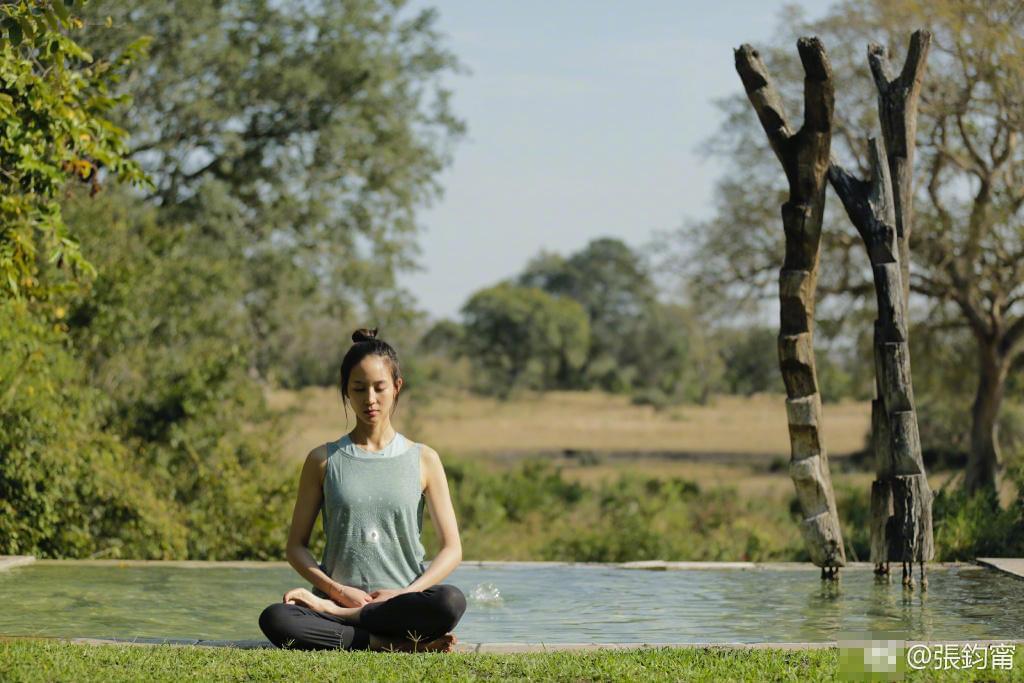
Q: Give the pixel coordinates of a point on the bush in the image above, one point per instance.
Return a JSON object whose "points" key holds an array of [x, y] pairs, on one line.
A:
{"points": [[854, 507], [66, 488], [635, 518], [967, 527]]}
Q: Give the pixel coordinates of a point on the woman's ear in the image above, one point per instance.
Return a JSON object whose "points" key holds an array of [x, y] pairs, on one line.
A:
{"points": [[398, 385]]}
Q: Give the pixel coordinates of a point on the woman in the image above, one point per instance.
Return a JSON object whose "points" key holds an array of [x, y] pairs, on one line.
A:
{"points": [[372, 590]]}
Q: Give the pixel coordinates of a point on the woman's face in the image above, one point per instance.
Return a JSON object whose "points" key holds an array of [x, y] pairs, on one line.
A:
{"points": [[371, 391]]}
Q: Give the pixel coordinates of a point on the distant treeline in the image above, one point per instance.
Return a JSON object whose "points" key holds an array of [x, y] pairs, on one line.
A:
{"points": [[597, 320]]}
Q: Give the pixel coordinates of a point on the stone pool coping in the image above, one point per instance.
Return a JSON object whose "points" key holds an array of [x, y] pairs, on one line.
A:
{"points": [[10, 561], [1010, 565], [1014, 566]]}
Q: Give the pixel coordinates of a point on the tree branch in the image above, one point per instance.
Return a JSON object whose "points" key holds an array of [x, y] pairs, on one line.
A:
{"points": [[765, 99], [869, 204], [1012, 339], [981, 168]]}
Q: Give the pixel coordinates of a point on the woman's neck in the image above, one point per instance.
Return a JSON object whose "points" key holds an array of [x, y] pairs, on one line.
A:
{"points": [[374, 438]]}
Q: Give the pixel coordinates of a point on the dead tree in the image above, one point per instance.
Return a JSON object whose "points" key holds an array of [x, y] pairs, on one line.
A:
{"points": [[900, 497], [897, 113], [880, 209], [804, 156]]}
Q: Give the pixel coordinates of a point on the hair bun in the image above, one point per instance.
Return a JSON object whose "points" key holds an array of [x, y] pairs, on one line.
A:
{"points": [[364, 335]]}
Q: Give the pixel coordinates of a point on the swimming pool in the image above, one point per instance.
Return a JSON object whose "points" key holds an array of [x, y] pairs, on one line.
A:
{"points": [[549, 603]]}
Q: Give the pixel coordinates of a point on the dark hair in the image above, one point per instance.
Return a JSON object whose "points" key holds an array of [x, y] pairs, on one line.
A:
{"points": [[365, 343]]}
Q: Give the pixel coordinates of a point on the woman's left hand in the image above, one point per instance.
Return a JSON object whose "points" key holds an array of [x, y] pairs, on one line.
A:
{"points": [[301, 596], [385, 594]]}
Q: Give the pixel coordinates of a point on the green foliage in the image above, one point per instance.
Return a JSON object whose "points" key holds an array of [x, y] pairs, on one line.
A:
{"points": [[176, 376], [490, 505], [289, 146], [854, 507], [68, 489], [637, 518], [54, 105], [530, 333], [751, 360], [439, 361], [521, 337], [626, 527], [965, 526], [444, 336], [298, 140], [675, 361], [612, 285], [162, 456], [531, 511], [969, 526]]}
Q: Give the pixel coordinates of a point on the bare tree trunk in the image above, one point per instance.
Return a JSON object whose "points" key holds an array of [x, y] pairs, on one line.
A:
{"points": [[804, 156], [897, 113], [984, 463], [900, 495]]}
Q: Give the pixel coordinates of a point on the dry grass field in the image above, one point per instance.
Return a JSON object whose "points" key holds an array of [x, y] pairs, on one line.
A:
{"points": [[462, 424], [734, 441]]}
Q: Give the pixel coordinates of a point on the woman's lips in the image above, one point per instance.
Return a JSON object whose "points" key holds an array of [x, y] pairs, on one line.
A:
{"points": [[371, 413]]}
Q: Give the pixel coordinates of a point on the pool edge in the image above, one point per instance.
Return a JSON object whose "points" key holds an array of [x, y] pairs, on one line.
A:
{"points": [[508, 648], [11, 561], [1014, 566], [648, 565]]}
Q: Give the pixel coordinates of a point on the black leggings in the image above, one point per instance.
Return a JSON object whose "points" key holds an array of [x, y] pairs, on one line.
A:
{"points": [[422, 615]]}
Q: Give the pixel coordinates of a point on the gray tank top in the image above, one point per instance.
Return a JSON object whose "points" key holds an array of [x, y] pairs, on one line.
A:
{"points": [[373, 514]]}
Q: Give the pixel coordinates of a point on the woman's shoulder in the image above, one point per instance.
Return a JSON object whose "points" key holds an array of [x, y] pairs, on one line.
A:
{"points": [[427, 453], [319, 455], [315, 463]]}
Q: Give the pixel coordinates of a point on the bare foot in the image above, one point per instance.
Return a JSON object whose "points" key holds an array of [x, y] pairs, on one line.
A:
{"points": [[445, 643]]}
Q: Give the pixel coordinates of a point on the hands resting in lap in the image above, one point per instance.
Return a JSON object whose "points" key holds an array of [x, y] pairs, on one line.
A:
{"points": [[347, 597]]}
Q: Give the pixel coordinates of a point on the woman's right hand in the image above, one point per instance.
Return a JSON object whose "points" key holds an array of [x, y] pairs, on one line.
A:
{"points": [[348, 596]]}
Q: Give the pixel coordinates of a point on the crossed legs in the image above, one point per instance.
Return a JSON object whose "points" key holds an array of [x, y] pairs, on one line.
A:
{"points": [[407, 621]]}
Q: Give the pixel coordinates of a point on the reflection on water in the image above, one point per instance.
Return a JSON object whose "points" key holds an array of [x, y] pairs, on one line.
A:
{"points": [[515, 603]]}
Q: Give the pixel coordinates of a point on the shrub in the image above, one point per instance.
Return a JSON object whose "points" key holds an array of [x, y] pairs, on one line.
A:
{"points": [[967, 527], [66, 488]]}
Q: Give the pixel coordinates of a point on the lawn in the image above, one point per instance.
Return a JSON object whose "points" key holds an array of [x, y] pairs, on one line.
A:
{"points": [[28, 660]]}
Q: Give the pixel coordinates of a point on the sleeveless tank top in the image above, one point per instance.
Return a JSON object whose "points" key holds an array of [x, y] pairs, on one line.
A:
{"points": [[373, 514]]}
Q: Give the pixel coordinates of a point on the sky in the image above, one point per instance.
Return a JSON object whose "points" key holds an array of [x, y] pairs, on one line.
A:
{"points": [[584, 120]]}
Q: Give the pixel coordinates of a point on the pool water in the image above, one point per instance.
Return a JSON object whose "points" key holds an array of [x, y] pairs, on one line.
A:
{"points": [[532, 603]]}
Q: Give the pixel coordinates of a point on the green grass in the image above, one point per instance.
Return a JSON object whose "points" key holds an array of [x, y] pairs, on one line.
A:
{"points": [[38, 660]]}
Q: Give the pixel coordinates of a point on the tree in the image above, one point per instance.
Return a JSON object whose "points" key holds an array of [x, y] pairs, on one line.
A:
{"points": [[966, 241], [673, 358], [804, 156], [54, 108], [67, 488], [444, 336], [610, 281], [294, 139], [522, 337], [289, 146], [750, 360]]}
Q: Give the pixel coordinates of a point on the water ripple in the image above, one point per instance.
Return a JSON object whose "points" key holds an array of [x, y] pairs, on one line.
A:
{"points": [[554, 604]]}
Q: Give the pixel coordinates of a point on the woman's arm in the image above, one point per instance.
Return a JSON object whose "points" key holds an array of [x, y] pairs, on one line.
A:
{"points": [[307, 507], [439, 501]]}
